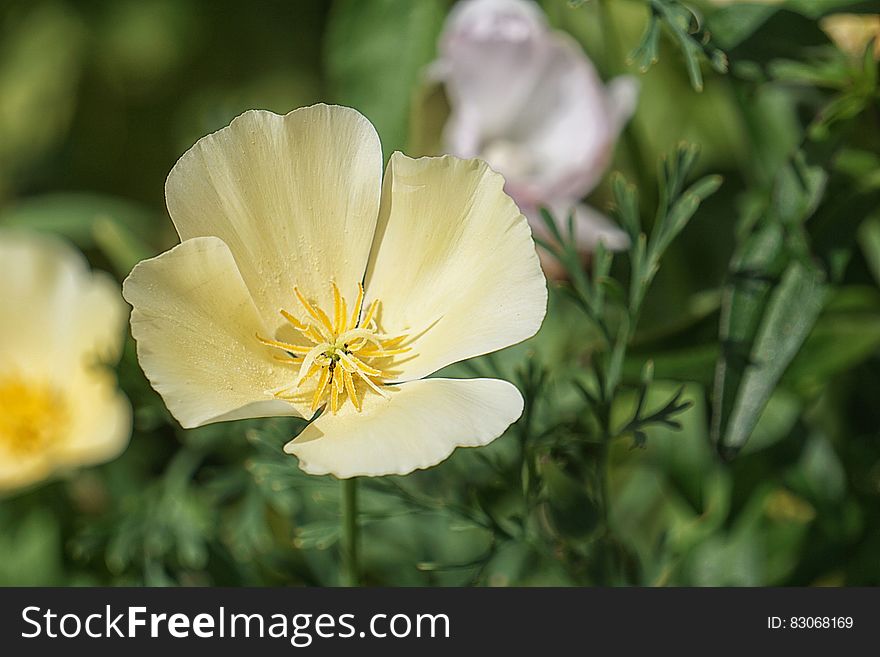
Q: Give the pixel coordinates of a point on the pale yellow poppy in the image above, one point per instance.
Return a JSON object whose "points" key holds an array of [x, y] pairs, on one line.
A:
{"points": [[303, 281], [60, 325]]}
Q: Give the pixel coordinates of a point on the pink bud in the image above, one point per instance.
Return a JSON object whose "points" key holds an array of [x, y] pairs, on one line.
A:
{"points": [[527, 100]]}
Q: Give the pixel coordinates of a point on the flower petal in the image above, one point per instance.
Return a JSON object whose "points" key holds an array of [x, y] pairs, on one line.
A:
{"points": [[65, 316], [491, 55], [59, 324], [623, 96], [100, 426], [196, 326], [569, 126], [528, 100], [294, 197], [417, 426], [453, 262], [18, 471]]}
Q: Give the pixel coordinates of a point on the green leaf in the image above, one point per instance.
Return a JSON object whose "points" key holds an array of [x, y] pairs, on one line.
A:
{"points": [[798, 190], [847, 333], [646, 54], [821, 472], [75, 216], [626, 205], [769, 270], [680, 213], [869, 240], [791, 313], [734, 24], [318, 535], [571, 510], [742, 305], [818, 8], [31, 548], [776, 422], [375, 54], [119, 244], [693, 41]]}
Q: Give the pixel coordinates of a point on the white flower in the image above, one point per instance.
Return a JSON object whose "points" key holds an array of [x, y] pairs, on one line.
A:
{"points": [[59, 324], [527, 100], [261, 309]]}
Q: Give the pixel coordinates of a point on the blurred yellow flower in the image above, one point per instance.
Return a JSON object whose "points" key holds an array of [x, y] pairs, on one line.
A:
{"points": [[59, 324], [852, 32], [303, 281]]}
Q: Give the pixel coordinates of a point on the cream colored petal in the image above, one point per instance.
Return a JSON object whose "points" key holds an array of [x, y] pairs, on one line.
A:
{"points": [[294, 197], [18, 471], [96, 428], [100, 324], [58, 323], [196, 326], [453, 262], [55, 314], [99, 427], [417, 426], [38, 282]]}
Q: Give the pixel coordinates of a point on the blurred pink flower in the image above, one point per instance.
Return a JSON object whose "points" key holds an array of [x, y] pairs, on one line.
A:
{"points": [[527, 100]]}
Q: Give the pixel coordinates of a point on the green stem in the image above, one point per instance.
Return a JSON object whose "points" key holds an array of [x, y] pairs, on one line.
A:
{"points": [[615, 64], [603, 480], [606, 545], [606, 541], [350, 568]]}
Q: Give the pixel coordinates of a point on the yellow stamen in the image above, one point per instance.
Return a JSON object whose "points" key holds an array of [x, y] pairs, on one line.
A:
{"points": [[366, 379], [33, 416], [316, 313], [334, 393], [307, 330], [298, 325], [338, 312], [349, 387], [363, 367], [356, 311], [292, 348], [319, 391], [393, 342], [341, 354], [314, 369], [370, 312]]}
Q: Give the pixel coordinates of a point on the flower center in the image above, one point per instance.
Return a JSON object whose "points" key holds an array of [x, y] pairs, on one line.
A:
{"points": [[348, 354], [32, 414]]}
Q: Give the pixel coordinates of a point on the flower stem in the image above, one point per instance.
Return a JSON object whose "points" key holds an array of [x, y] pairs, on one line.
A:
{"points": [[615, 64], [350, 568]]}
